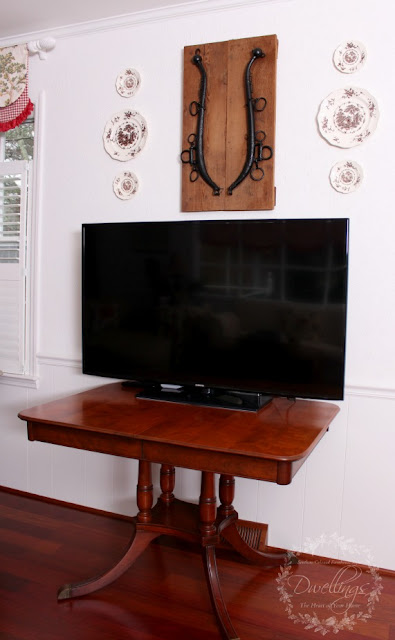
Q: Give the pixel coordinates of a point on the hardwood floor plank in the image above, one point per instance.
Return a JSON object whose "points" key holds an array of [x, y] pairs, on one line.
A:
{"points": [[162, 597]]}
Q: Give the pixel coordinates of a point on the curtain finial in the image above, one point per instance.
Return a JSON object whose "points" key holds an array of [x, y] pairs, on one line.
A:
{"points": [[41, 47]]}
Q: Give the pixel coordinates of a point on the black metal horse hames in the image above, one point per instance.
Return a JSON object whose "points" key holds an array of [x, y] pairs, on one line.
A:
{"points": [[255, 147], [256, 151], [195, 154]]}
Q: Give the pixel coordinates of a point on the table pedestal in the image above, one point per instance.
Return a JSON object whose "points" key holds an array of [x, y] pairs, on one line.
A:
{"points": [[202, 523]]}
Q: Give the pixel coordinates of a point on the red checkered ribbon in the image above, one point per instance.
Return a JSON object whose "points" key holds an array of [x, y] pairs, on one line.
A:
{"points": [[16, 113]]}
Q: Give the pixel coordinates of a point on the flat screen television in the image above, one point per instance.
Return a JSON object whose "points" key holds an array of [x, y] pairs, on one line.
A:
{"points": [[228, 313]]}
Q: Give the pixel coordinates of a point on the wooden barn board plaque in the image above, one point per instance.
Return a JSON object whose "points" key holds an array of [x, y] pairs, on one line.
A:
{"points": [[225, 123]]}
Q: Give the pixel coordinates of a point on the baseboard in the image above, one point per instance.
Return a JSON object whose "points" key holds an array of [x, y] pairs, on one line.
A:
{"points": [[63, 503]]}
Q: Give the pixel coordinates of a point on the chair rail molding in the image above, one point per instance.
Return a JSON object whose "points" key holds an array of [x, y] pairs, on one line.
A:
{"points": [[56, 361], [366, 391], [387, 393]]}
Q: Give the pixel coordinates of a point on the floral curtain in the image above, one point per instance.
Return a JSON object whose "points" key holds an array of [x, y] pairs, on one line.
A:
{"points": [[15, 104]]}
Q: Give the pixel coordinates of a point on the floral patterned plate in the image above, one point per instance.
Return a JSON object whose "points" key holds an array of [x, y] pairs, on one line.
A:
{"points": [[349, 56], [125, 135], [128, 82], [347, 117], [346, 176], [125, 185]]}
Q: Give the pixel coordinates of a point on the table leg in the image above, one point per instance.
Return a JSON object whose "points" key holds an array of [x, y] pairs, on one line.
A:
{"points": [[138, 542], [217, 600], [145, 495], [167, 483], [209, 537], [207, 506], [226, 495], [242, 541]]}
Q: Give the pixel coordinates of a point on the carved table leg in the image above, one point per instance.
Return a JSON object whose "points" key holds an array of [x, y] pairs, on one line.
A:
{"points": [[226, 495], [167, 482], [263, 558], [242, 538], [207, 506], [145, 494], [217, 599], [138, 542], [208, 530]]}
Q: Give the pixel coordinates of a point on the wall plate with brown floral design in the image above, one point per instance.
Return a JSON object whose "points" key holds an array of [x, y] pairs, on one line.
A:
{"points": [[349, 56], [128, 82], [125, 135], [348, 117], [346, 176]]}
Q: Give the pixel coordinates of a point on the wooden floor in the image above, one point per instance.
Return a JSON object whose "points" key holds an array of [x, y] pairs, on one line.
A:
{"points": [[162, 597]]}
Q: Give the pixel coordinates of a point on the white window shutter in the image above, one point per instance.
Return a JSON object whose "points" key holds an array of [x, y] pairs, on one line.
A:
{"points": [[13, 214]]}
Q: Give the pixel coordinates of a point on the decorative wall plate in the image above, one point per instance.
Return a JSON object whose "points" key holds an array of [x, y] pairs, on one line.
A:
{"points": [[125, 135], [346, 176], [125, 185], [349, 56], [347, 117], [127, 82]]}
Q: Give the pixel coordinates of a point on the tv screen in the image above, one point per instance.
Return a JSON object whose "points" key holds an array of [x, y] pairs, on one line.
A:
{"points": [[255, 306]]}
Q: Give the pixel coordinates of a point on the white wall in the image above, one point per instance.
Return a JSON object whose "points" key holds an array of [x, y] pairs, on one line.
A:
{"points": [[345, 486]]}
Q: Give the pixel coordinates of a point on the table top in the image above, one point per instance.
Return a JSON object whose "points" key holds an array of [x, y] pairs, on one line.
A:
{"points": [[270, 444]]}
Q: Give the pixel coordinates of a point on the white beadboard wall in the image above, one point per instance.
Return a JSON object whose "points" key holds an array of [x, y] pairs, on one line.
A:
{"points": [[346, 486]]}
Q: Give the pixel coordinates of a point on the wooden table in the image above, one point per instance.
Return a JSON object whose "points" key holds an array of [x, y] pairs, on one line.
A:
{"points": [[269, 445]]}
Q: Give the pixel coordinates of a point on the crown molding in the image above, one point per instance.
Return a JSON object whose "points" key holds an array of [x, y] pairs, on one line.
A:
{"points": [[194, 7]]}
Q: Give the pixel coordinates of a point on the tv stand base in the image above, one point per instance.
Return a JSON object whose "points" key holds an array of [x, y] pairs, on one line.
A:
{"points": [[207, 397], [200, 523]]}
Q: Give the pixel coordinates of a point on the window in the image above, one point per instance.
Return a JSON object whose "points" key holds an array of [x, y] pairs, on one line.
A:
{"points": [[16, 155]]}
